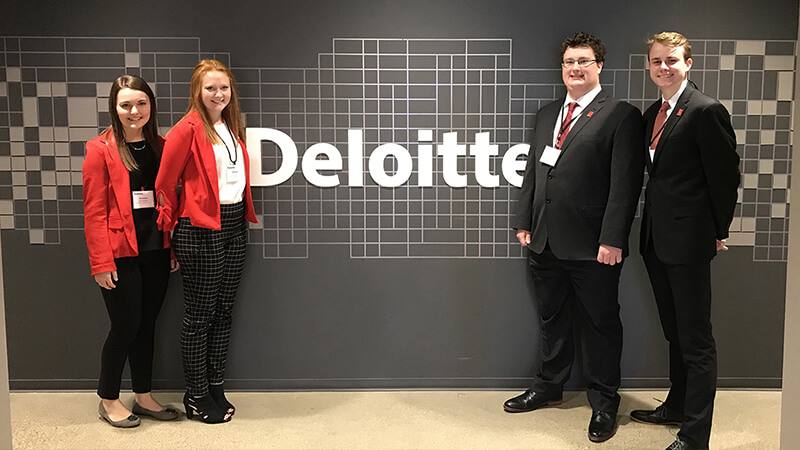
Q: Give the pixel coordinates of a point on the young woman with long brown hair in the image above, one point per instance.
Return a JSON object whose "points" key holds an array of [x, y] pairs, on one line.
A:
{"points": [[127, 252]]}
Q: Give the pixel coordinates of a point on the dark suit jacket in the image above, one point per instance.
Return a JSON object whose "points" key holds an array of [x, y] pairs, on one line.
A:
{"points": [[589, 198], [691, 193]]}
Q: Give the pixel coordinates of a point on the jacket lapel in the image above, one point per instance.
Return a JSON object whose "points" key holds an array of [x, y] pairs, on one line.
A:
{"points": [[588, 113], [205, 154], [649, 123], [675, 116], [120, 182]]}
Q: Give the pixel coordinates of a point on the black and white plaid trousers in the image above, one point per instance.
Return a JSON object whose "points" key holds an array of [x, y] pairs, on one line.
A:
{"points": [[211, 266]]}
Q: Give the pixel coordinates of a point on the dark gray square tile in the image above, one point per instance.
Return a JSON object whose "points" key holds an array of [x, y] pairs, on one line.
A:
{"points": [[54, 74], [779, 48], [12, 60], [740, 84], [52, 236], [82, 89], [726, 84], [31, 148], [756, 80]]}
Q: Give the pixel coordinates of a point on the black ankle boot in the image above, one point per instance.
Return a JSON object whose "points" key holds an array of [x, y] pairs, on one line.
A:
{"points": [[205, 408], [218, 394]]}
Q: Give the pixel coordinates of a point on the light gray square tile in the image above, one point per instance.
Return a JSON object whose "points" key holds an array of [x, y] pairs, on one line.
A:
{"points": [[82, 112]]}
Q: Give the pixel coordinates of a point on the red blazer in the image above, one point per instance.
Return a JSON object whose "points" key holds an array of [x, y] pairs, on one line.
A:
{"points": [[107, 209], [188, 157]]}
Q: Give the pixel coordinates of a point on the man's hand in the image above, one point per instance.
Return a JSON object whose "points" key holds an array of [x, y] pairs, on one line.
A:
{"points": [[524, 237], [721, 245], [609, 255]]}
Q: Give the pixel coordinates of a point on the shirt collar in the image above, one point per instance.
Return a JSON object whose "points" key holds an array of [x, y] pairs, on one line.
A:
{"points": [[674, 99], [587, 98]]}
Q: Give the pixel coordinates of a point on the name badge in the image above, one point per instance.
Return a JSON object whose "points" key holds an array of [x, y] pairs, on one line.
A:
{"points": [[550, 156], [144, 199], [233, 174]]}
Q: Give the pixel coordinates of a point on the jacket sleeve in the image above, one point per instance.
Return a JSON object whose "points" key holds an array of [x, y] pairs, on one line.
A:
{"points": [[175, 155], [95, 209], [717, 143], [524, 212], [627, 174]]}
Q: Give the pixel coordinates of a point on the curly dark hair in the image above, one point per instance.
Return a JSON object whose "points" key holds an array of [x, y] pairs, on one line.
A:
{"points": [[581, 39]]}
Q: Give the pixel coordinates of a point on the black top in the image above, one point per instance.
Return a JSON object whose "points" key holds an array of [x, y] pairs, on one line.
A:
{"points": [[148, 236]]}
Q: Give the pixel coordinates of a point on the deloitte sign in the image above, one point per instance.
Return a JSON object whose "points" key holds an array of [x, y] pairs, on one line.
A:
{"points": [[449, 150]]}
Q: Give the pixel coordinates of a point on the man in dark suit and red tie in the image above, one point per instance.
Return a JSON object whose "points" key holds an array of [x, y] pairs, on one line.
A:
{"points": [[689, 203], [578, 199]]}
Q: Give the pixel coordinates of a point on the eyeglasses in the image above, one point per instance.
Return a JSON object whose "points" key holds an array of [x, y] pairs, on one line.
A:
{"points": [[581, 62]]}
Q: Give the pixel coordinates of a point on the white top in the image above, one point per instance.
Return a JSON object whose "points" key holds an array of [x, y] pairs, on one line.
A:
{"points": [[583, 102], [230, 167]]}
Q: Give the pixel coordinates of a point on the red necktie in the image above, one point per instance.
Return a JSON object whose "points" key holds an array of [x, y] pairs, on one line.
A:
{"points": [[658, 126], [566, 124]]}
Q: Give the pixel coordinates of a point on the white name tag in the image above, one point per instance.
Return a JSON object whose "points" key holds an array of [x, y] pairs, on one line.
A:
{"points": [[144, 199], [550, 156], [233, 174]]}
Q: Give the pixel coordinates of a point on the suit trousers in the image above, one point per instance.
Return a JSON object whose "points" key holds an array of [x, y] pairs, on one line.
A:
{"points": [[578, 299], [133, 306], [683, 296], [211, 266]]}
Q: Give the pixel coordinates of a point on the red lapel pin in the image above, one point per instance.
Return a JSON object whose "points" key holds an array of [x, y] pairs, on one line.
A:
{"points": [[680, 111], [590, 114]]}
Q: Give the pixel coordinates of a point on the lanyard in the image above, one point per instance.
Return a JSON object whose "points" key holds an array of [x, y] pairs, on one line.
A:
{"points": [[235, 156], [565, 126]]}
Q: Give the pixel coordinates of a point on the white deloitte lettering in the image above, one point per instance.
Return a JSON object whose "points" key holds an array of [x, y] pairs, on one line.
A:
{"points": [[449, 150]]}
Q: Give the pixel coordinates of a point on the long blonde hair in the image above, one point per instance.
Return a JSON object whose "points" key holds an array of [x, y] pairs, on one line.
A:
{"points": [[149, 130], [232, 114]]}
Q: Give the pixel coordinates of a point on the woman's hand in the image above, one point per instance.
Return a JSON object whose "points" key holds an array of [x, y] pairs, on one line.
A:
{"points": [[106, 279], [173, 265]]}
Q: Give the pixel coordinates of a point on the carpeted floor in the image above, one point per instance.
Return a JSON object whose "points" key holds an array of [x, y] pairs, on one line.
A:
{"points": [[383, 420]]}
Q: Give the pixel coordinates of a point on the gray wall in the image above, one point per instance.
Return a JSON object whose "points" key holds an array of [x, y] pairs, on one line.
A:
{"points": [[375, 287]]}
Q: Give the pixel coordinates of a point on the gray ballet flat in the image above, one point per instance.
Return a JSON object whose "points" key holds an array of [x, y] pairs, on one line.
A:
{"points": [[129, 422], [164, 414]]}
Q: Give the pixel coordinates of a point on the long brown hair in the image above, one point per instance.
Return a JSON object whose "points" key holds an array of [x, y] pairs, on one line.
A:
{"points": [[232, 114], [149, 130]]}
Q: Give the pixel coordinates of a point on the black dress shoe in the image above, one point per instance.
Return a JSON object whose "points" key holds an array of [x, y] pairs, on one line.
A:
{"points": [[602, 426], [530, 400], [659, 416], [682, 445]]}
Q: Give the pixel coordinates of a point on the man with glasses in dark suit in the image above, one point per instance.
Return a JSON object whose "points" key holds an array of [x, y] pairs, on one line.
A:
{"points": [[578, 199]]}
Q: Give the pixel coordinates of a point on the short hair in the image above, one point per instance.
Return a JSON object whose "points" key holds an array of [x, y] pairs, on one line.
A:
{"points": [[581, 39], [232, 114], [670, 39], [149, 130]]}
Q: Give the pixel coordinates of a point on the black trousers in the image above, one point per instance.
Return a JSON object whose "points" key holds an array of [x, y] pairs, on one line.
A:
{"points": [[211, 266], [133, 307], [683, 296], [578, 298]]}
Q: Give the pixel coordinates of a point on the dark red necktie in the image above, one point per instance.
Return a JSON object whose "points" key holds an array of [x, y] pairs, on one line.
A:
{"points": [[658, 126], [566, 124]]}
